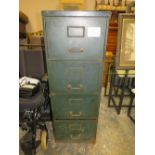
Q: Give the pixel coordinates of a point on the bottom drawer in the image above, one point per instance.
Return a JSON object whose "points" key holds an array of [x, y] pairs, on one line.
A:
{"points": [[75, 130]]}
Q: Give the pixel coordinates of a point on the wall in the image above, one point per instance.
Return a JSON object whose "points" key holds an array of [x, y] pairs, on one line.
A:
{"points": [[33, 8]]}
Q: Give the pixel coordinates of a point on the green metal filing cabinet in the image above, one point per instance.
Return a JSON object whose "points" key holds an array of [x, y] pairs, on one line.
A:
{"points": [[75, 43]]}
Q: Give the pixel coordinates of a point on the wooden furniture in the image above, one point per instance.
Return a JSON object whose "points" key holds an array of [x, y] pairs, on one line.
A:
{"points": [[109, 58], [71, 5], [75, 50], [111, 46], [112, 33], [114, 5]]}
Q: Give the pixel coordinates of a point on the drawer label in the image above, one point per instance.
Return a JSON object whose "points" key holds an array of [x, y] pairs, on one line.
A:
{"points": [[94, 32]]}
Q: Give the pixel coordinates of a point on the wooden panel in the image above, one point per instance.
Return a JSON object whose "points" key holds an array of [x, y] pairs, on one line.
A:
{"points": [[108, 61], [112, 33], [112, 41]]}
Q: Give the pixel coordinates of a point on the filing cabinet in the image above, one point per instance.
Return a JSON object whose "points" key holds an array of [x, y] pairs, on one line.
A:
{"points": [[75, 43]]}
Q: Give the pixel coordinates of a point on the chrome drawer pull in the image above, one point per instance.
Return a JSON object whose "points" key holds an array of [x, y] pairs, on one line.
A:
{"points": [[75, 114], [81, 50], [69, 86], [74, 50], [75, 137], [75, 127]]}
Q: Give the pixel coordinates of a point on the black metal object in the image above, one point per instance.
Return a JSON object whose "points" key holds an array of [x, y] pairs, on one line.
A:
{"points": [[32, 124], [123, 85], [28, 143], [131, 106], [33, 119]]}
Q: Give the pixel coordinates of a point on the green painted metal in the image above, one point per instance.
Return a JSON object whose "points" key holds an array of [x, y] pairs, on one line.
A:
{"points": [[75, 106], [75, 43], [71, 40], [75, 130], [75, 76], [103, 14]]}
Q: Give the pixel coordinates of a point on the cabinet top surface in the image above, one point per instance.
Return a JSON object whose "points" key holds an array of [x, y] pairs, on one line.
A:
{"points": [[48, 13]]}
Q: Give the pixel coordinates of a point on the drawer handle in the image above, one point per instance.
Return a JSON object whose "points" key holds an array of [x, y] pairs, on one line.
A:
{"points": [[69, 86], [75, 50], [75, 137], [75, 114]]}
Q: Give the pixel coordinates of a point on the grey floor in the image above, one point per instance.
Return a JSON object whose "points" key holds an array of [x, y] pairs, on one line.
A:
{"points": [[115, 136]]}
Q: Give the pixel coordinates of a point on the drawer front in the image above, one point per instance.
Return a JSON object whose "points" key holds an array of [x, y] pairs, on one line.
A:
{"points": [[75, 37], [76, 131], [75, 76], [75, 106]]}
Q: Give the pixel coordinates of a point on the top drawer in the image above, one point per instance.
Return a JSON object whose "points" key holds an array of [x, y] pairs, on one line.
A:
{"points": [[75, 37]]}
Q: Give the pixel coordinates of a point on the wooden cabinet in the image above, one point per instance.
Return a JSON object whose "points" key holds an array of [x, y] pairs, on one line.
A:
{"points": [[112, 33], [111, 45], [75, 44]]}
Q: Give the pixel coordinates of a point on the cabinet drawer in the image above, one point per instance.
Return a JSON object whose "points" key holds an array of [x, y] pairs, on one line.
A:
{"points": [[75, 76], [70, 38], [75, 131], [75, 106]]}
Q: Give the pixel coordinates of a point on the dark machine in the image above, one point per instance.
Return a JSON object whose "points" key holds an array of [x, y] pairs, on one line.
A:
{"points": [[34, 104]]}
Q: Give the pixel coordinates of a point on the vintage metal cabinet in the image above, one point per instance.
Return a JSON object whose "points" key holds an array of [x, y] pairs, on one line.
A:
{"points": [[75, 43]]}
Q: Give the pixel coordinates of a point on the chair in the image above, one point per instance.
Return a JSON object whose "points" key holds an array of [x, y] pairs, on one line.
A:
{"points": [[35, 110], [124, 81]]}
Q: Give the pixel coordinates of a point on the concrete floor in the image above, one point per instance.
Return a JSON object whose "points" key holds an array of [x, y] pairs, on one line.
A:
{"points": [[115, 136]]}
